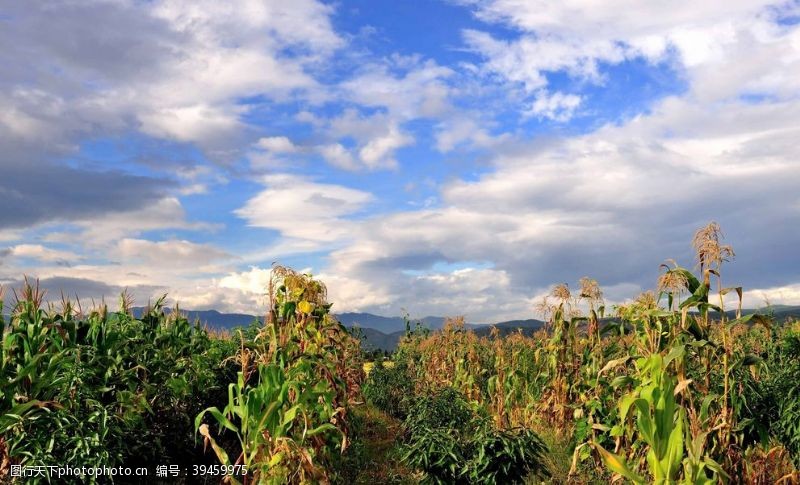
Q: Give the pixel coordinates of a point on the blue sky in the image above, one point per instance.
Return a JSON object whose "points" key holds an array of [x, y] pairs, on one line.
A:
{"points": [[440, 157]]}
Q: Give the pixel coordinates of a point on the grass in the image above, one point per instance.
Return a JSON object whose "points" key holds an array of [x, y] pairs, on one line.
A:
{"points": [[376, 455]]}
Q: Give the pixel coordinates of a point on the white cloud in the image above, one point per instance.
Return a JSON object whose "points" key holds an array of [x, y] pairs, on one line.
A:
{"points": [[303, 22], [194, 123], [577, 36], [779, 295], [170, 253], [378, 151], [557, 106], [277, 144], [612, 204], [377, 138], [466, 131], [355, 295], [396, 90], [301, 209], [173, 69], [255, 280], [420, 91], [622, 19], [339, 156], [527, 60], [166, 213], [146, 268], [43, 254], [7, 235]]}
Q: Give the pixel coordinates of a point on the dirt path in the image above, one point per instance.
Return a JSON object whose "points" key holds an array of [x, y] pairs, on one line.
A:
{"points": [[375, 454]]}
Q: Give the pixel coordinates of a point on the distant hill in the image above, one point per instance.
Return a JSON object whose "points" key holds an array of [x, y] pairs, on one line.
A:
{"points": [[213, 318], [780, 312], [530, 323], [386, 324], [219, 320], [376, 340], [384, 333]]}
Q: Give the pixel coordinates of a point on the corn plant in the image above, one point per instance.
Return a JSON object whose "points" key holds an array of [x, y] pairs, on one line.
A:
{"points": [[672, 356], [660, 424], [99, 389], [288, 407]]}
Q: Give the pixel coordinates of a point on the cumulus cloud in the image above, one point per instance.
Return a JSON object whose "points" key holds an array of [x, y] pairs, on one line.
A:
{"points": [[171, 253], [42, 192], [378, 151], [145, 269], [302, 209], [336, 154], [377, 136], [579, 37], [168, 69], [277, 144], [527, 61], [611, 202], [86, 292], [352, 141], [615, 202], [557, 106], [389, 93], [176, 69], [164, 213], [44, 254], [418, 90], [466, 131], [585, 32]]}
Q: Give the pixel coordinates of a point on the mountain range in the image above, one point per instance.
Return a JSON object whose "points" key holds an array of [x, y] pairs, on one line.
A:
{"points": [[378, 332], [383, 333]]}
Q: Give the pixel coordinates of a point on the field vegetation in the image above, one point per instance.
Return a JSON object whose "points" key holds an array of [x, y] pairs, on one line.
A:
{"points": [[662, 389]]}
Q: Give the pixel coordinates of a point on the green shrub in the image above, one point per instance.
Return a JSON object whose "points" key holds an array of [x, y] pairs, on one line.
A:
{"points": [[771, 407], [389, 389], [505, 456], [787, 428], [447, 409], [452, 442]]}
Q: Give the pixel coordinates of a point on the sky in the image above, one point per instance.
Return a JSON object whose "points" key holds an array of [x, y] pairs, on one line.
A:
{"points": [[433, 157]]}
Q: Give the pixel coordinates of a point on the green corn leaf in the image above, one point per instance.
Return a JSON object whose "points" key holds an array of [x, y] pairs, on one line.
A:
{"points": [[290, 415], [219, 416], [625, 405], [617, 464], [746, 361], [321, 429]]}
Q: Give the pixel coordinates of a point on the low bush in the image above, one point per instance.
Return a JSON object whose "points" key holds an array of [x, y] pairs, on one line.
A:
{"points": [[771, 407], [452, 442], [787, 428], [389, 389]]}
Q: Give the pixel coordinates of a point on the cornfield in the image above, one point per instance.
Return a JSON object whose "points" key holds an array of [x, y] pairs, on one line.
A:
{"points": [[669, 387]]}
